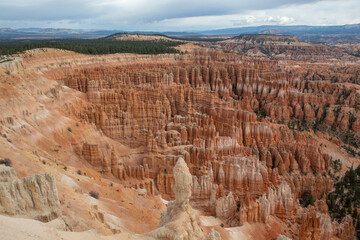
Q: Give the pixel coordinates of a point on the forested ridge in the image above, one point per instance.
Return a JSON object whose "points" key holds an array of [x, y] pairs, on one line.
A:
{"points": [[90, 46]]}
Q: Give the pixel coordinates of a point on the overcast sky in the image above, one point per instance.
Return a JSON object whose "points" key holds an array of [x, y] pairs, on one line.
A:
{"points": [[175, 15]]}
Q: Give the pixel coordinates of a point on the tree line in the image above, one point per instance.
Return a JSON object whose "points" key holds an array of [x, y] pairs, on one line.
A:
{"points": [[90, 46]]}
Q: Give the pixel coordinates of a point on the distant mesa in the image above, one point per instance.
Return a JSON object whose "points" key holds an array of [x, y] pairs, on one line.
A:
{"points": [[140, 37], [268, 37]]}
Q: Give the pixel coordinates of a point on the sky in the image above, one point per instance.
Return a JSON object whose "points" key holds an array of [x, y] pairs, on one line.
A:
{"points": [[174, 15]]}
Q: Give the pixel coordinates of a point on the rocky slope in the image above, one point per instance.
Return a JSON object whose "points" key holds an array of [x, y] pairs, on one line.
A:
{"points": [[244, 127]]}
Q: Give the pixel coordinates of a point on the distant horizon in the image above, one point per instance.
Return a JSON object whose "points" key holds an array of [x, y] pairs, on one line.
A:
{"points": [[179, 30], [175, 15]]}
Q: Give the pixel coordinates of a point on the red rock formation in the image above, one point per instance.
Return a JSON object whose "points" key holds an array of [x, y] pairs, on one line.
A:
{"points": [[91, 153], [316, 224], [344, 230], [219, 113]]}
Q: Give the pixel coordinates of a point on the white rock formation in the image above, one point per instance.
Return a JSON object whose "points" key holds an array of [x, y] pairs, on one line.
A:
{"points": [[178, 222], [33, 197]]}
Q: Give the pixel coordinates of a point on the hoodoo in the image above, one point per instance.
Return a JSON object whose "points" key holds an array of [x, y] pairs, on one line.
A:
{"points": [[250, 137]]}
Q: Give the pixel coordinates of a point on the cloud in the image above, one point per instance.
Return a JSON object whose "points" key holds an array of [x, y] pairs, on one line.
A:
{"points": [[131, 10], [315, 13], [172, 14]]}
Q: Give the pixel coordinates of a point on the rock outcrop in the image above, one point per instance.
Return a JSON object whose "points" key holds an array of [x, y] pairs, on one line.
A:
{"points": [[178, 221], [91, 153], [7, 174], [213, 235], [282, 237], [315, 223], [34, 197], [225, 209]]}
